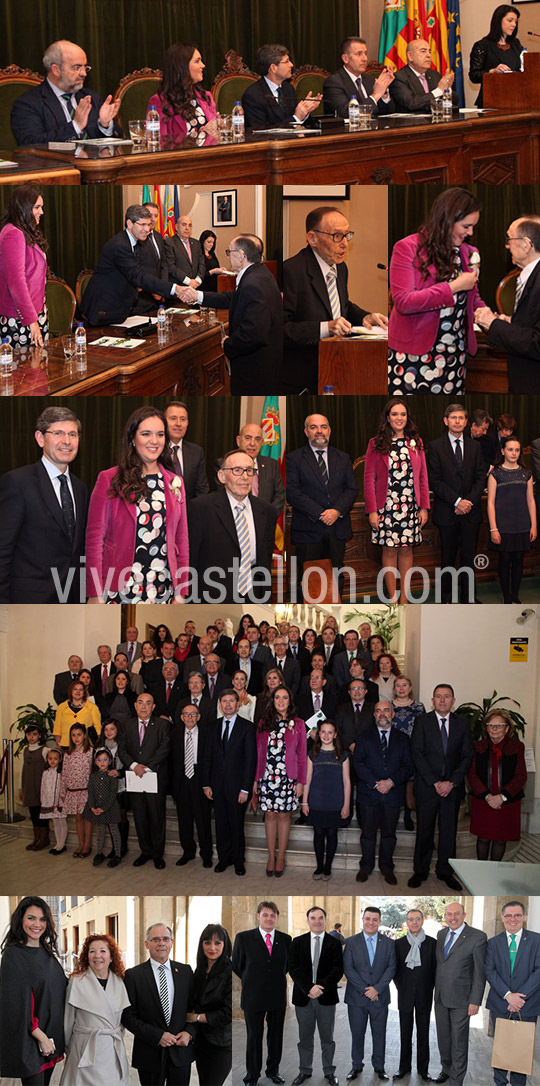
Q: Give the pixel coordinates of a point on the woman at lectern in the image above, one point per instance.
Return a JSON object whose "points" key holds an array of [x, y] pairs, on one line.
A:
{"points": [[499, 51]]}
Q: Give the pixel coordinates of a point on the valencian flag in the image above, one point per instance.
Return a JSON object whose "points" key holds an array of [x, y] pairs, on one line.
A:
{"points": [[454, 47], [168, 213], [402, 21], [271, 428]]}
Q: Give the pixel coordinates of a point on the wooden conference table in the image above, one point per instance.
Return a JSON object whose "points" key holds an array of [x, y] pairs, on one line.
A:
{"points": [[190, 362], [494, 148]]}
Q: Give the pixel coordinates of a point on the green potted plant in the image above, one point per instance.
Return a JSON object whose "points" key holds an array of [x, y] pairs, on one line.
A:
{"points": [[384, 622], [31, 714], [475, 713]]}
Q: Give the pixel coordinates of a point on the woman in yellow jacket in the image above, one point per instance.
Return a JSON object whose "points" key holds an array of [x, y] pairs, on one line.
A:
{"points": [[76, 710]]}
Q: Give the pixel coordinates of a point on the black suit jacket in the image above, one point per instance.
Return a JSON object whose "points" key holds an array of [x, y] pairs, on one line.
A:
{"points": [[415, 986], [112, 290], [263, 975], [345, 721], [145, 1019], [38, 117], [271, 488], [254, 345], [309, 497], [429, 761], [521, 339], [261, 109], [177, 753], [341, 669], [304, 704], [256, 677], [339, 88], [193, 663], [448, 485], [233, 770], [154, 750], [95, 672], [206, 708], [290, 670], [408, 94], [213, 540], [62, 682], [162, 707], [305, 305], [34, 539], [329, 970], [194, 474], [179, 266], [303, 657], [153, 261]]}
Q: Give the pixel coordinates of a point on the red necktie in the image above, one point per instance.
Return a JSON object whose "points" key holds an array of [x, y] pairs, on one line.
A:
{"points": [[168, 693], [268, 942], [104, 676]]}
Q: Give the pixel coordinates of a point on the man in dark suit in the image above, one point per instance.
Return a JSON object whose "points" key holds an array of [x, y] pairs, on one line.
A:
{"points": [[197, 697], [513, 974], [254, 342], [442, 751], [316, 967], [184, 256], [260, 960], [161, 996], [152, 670], [457, 476], [143, 746], [369, 963], [253, 669], [316, 301], [198, 662], [260, 653], [101, 674], [290, 669], [417, 84], [189, 459], [519, 335], [272, 101], [151, 255], [321, 489], [459, 989], [112, 292], [227, 774], [234, 531], [215, 679], [355, 715], [317, 699], [167, 691], [223, 645], [382, 763], [131, 647], [352, 82], [414, 980], [297, 650], [43, 519], [342, 662], [59, 109], [268, 482], [188, 737], [63, 679]]}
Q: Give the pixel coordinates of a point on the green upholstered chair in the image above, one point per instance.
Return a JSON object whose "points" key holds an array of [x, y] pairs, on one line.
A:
{"points": [[505, 295], [61, 304], [83, 280], [134, 91], [231, 82], [14, 81], [309, 78]]}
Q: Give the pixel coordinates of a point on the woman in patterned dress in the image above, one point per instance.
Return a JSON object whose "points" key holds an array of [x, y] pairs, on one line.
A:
{"points": [[23, 270], [137, 541], [433, 280], [281, 772], [184, 107], [75, 774], [396, 493], [406, 710]]}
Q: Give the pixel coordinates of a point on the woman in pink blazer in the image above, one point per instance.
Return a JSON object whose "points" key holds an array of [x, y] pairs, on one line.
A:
{"points": [[396, 493], [23, 270], [183, 105], [137, 540], [281, 772], [433, 280]]}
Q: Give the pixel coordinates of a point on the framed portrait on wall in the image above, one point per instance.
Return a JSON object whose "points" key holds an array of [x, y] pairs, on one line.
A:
{"points": [[224, 208]]}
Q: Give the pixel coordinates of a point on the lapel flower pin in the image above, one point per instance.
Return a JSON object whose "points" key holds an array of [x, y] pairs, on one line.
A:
{"points": [[176, 487]]}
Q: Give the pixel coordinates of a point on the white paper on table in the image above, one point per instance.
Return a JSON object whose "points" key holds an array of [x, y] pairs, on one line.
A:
{"points": [[146, 783], [104, 141], [359, 330], [5, 164], [59, 145], [114, 341], [135, 322], [409, 115], [286, 131], [183, 312]]}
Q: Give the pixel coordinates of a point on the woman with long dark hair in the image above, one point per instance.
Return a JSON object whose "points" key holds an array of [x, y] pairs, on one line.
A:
{"points": [[212, 1006], [23, 270], [208, 242], [136, 541], [183, 105], [499, 51], [433, 280], [95, 1000], [32, 995], [281, 772], [396, 491], [120, 702]]}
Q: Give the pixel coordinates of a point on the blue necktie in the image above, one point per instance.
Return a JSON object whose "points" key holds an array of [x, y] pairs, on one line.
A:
{"points": [[449, 945], [371, 949]]}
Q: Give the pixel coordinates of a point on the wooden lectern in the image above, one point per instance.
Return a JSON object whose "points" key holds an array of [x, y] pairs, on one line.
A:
{"points": [[517, 92], [354, 367]]}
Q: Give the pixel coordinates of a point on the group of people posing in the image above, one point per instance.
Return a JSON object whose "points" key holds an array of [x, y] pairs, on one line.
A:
{"points": [[177, 1016]]}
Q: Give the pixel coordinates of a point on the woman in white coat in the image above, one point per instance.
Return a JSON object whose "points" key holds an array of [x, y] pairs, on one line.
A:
{"points": [[96, 997]]}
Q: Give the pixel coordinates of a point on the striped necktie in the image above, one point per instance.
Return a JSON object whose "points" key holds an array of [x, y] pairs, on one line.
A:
{"points": [[316, 956], [331, 284], [323, 470], [448, 946], [242, 531], [189, 763], [164, 994], [69, 105], [519, 291]]}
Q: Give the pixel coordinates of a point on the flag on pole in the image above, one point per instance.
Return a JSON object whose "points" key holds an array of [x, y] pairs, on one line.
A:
{"points": [[146, 194], [402, 21], [454, 47], [271, 428], [176, 206], [157, 200], [168, 213], [437, 34]]}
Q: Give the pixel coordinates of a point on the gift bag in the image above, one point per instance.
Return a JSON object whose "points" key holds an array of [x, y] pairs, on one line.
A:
{"points": [[513, 1045]]}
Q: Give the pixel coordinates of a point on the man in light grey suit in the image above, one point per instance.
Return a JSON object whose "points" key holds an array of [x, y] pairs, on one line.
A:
{"points": [[184, 256], [459, 988], [131, 647]]}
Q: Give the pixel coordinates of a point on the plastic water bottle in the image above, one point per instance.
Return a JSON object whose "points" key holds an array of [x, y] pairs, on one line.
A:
{"points": [[6, 357], [80, 339], [447, 104], [152, 129], [328, 390], [161, 318], [354, 114], [238, 122]]}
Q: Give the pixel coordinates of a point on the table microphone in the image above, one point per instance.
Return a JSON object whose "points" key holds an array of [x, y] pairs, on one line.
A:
{"points": [[383, 267], [533, 34]]}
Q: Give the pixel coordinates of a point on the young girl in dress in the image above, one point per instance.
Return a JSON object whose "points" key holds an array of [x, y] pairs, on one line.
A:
{"points": [[34, 763], [75, 774], [102, 807], [110, 735], [512, 516], [327, 795], [53, 799]]}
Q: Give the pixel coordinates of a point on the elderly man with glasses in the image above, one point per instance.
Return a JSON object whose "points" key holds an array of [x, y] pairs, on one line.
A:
{"points": [[316, 301], [59, 109]]}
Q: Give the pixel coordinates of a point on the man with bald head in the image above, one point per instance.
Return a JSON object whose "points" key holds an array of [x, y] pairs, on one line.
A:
{"points": [[316, 302], [267, 483], [184, 256], [382, 763], [417, 84], [519, 335], [59, 109], [460, 980], [321, 488]]}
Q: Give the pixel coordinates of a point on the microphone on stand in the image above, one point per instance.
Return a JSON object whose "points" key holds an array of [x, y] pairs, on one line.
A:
{"points": [[384, 267], [533, 34]]}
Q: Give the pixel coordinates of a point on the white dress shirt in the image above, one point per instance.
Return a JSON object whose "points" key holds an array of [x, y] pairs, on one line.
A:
{"points": [[249, 519], [54, 474]]}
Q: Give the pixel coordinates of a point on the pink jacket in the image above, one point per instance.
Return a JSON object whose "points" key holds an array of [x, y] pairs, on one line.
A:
{"points": [[417, 302], [23, 271], [175, 128], [111, 531], [295, 752], [376, 477]]}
